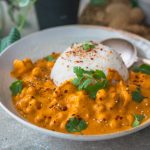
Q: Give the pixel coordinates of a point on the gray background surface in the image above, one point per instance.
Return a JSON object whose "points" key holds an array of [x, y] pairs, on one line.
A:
{"points": [[14, 136]]}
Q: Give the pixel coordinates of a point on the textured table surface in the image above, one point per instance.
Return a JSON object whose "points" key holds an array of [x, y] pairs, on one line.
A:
{"points": [[14, 136]]}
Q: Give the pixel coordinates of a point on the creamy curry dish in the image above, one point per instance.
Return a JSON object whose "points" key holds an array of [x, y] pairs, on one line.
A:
{"points": [[85, 90]]}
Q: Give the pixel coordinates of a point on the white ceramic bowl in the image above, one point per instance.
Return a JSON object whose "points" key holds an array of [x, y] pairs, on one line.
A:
{"points": [[58, 39]]}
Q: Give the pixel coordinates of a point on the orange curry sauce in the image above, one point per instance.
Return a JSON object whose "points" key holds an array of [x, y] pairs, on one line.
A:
{"points": [[45, 105]]}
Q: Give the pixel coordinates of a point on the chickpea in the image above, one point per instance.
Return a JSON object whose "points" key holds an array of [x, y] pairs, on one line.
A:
{"points": [[62, 125], [48, 83], [34, 104], [111, 104], [114, 124], [47, 120], [126, 97], [102, 116], [19, 66], [17, 97], [28, 63], [53, 102], [81, 94], [29, 110], [73, 100], [31, 91], [101, 94], [22, 103], [59, 116], [52, 123], [36, 71], [50, 64], [18, 105], [130, 119], [39, 118], [95, 107], [23, 92], [57, 92]]}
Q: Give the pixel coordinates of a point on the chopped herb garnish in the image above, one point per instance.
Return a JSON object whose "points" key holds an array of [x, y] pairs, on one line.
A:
{"points": [[88, 46], [49, 58], [90, 81], [144, 68], [16, 87], [85, 84], [93, 89], [77, 81], [137, 120], [98, 2], [76, 124], [137, 96], [78, 71], [98, 74]]}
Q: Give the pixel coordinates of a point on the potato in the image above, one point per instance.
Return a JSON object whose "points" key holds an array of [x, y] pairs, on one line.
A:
{"points": [[116, 8], [137, 15]]}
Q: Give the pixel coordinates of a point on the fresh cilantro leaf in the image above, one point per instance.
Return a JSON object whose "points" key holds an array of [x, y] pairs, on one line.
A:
{"points": [[89, 80], [77, 81], [93, 89], [87, 46], [49, 58], [134, 3], [13, 36], [85, 84], [144, 68], [16, 87], [76, 125], [99, 74], [78, 71], [137, 120], [137, 96], [98, 2]]}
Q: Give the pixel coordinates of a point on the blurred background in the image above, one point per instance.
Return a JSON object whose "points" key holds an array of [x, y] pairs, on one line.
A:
{"points": [[33, 15]]}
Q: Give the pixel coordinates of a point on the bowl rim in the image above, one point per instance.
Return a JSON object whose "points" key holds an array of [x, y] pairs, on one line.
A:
{"points": [[73, 136]]}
